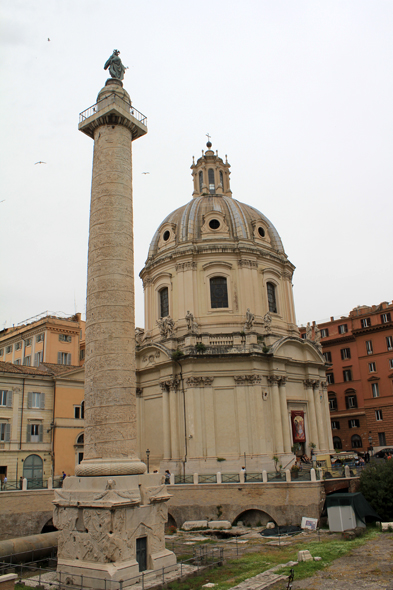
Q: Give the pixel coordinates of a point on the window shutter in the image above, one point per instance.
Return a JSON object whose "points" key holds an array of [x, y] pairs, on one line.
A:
{"points": [[40, 432], [355, 401], [347, 403], [59, 358], [7, 432], [9, 399], [68, 358], [42, 401], [30, 399], [28, 433]]}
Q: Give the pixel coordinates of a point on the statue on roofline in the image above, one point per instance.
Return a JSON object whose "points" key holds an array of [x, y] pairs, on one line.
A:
{"points": [[116, 68]]}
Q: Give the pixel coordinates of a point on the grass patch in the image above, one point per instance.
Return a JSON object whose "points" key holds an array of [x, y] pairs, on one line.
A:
{"points": [[235, 571]]}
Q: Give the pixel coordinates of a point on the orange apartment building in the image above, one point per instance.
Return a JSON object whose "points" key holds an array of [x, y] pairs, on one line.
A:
{"points": [[358, 351], [41, 397]]}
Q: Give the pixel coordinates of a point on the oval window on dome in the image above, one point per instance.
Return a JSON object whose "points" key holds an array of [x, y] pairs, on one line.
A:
{"points": [[214, 224], [166, 236], [261, 232]]}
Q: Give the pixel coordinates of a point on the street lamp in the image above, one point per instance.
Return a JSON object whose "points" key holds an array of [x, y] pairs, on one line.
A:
{"points": [[370, 442], [147, 459]]}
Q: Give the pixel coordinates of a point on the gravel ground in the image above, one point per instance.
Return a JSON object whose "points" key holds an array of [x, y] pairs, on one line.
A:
{"points": [[368, 567]]}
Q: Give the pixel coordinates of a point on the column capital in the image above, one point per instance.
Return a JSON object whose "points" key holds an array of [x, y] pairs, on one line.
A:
{"points": [[247, 379], [199, 381], [309, 383]]}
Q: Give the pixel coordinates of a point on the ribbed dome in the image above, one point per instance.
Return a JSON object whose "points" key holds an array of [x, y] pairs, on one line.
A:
{"points": [[243, 221]]}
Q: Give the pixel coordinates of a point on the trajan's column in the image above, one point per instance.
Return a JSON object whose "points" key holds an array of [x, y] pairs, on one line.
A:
{"points": [[111, 515]]}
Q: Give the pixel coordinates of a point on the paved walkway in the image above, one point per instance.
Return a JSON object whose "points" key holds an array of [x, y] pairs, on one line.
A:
{"points": [[266, 579]]}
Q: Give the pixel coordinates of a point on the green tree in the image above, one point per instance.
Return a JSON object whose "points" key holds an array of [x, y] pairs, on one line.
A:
{"points": [[376, 485]]}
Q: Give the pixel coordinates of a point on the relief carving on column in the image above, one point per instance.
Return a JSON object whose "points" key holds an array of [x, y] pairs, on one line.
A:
{"points": [[147, 282], [199, 381], [247, 379]]}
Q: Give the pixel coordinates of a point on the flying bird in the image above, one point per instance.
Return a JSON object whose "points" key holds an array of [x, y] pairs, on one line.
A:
{"points": [[48, 39], [2, 201], [40, 163], [145, 172]]}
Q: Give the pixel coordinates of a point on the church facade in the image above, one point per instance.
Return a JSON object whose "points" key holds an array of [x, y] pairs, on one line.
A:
{"points": [[223, 378]]}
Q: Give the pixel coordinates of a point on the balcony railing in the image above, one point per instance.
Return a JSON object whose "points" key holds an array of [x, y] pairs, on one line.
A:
{"points": [[111, 99]]}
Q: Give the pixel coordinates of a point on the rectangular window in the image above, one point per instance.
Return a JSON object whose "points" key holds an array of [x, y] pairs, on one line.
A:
{"points": [[34, 433], [342, 329], [324, 333], [219, 292], [332, 403], [354, 423], [17, 345], [27, 342], [17, 362], [371, 367], [79, 412], [347, 375], [335, 425], [8, 349], [351, 401], [304, 336], [39, 338], [63, 358], [345, 353], [5, 432], [27, 361], [389, 342], [38, 358], [378, 415], [6, 398], [381, 439], [369, 346], [327, 356], [164, 302], [390, 363], [1, 351], [385, 318], [36, 400], [375, 389], [64, 338], [366, 322], [329, 378], [82, 354]]}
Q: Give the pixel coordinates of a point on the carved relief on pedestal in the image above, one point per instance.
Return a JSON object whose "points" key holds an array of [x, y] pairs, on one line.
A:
{"points": [[247, 379], [199, 381]]}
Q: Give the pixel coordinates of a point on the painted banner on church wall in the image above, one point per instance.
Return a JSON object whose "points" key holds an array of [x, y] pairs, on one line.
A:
{"points": [[298, 430]]}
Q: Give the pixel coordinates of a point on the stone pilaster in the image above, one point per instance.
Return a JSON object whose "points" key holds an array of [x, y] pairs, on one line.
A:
{"points": [[278, 434]]}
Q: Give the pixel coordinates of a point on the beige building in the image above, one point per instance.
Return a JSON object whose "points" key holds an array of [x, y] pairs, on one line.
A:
{"points": [[223, 377]]}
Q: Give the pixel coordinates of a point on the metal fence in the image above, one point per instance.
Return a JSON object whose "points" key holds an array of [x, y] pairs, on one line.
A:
{"points": [[36, 574], [32, 484], [95, 108]]}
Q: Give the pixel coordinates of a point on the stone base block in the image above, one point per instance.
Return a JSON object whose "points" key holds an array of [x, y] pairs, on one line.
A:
{"points": [[95, 575], [219, 524], [194, 524], [164, 558], [304, 556]]}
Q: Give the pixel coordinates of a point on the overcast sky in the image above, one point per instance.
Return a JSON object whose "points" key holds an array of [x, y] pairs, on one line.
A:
{"points": [[299, 94]]}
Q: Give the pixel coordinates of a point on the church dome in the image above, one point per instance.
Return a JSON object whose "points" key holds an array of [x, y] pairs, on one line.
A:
{"points": [[213, 214]]}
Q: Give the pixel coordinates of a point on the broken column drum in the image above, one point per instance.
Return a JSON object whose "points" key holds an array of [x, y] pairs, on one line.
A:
{"points": [[111, 508]]}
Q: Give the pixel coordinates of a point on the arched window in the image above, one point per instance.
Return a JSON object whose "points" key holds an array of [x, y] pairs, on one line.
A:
{"points": [[212, 188], [271, 297], [164, 302], [332, 401], [356, 441], [33, 470], [222, 179], [337, 442], [218, 292], [81, 439], [200, 181]]}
